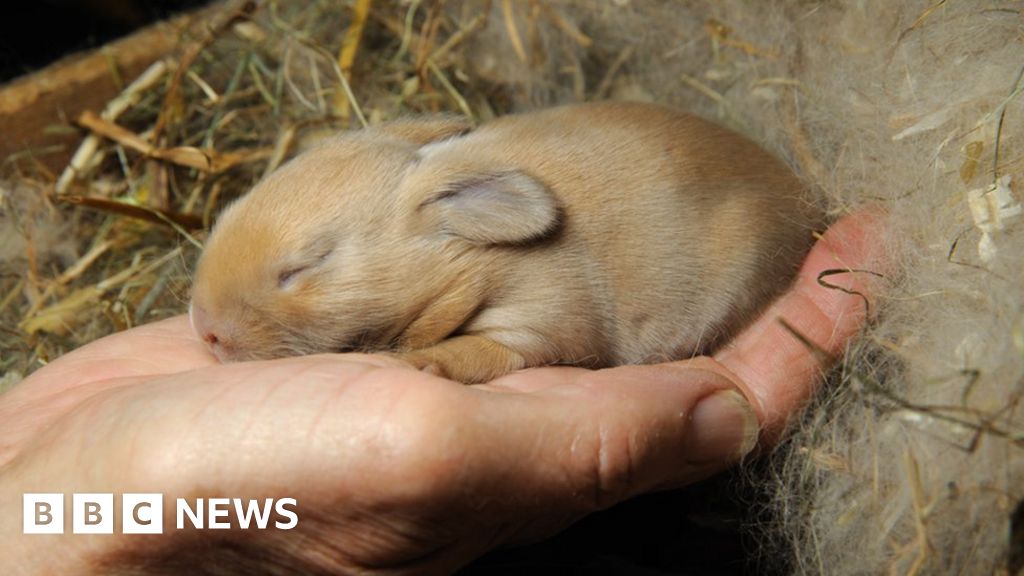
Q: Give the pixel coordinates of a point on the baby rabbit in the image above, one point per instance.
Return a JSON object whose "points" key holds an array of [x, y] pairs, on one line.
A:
{"points": [[594, 234]]}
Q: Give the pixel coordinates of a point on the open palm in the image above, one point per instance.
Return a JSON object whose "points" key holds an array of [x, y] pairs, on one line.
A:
{"points": [[395, 471]]}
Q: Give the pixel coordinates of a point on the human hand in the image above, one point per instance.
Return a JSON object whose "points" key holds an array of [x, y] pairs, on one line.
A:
{"points": [[395, 471]]}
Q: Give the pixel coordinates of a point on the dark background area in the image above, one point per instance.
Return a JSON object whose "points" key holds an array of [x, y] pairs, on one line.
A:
{"points": [[34, 33], [702, 530]]}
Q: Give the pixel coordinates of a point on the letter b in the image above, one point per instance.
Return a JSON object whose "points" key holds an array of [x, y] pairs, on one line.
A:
{"points": [[92, 513], [43, 513]]}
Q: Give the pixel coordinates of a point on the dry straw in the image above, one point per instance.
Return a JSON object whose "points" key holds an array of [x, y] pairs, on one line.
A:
{"points": [[910, 461]]}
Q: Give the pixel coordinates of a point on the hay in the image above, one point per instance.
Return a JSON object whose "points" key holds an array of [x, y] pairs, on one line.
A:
{"points": [[911, 461]]}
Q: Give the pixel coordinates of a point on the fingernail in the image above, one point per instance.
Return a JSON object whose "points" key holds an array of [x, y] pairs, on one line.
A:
{"points": [[723, 427]]}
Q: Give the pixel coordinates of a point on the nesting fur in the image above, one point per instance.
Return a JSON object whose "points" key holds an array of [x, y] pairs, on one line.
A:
{"points": [[909, 461]]}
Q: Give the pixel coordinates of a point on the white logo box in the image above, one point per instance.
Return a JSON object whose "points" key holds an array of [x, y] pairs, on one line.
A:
{"points": [[92, 513]]}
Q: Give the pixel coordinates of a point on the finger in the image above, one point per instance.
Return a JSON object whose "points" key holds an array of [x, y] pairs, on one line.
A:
{"points": [[781, 369], [611, 434], [534, 380]]}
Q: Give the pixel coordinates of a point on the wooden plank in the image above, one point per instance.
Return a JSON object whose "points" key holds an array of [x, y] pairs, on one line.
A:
{"points": [[36, 110]]}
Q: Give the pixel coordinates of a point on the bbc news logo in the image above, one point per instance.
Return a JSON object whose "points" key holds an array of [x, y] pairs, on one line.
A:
{"points": [[144, 513]]}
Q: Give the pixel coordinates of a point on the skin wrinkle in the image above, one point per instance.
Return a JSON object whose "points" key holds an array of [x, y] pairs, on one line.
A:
{"points": [[367, 373], [262, 403], [427, 452], [754, 371], [334, 396], [224, 389], [328, 405], [74, 396], [70, 377], [607, 482], [564, 466], [396, 406], [181, 456], [510, 468], [84, 410], [465, 464], [600, 459], [536, 457], [133, 453], [140, 365]]}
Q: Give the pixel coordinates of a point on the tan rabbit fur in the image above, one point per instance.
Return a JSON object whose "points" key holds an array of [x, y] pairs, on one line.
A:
{"points": [[594, 234]]}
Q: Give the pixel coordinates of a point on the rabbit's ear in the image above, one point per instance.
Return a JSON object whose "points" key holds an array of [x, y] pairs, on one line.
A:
{"points": [[506, 207], [424, 130]]}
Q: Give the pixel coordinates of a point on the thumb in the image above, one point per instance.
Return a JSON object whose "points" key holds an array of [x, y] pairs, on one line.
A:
{"points": [[608, 435]]}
